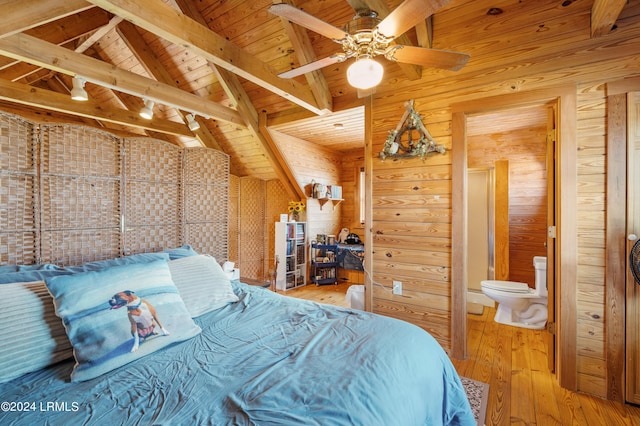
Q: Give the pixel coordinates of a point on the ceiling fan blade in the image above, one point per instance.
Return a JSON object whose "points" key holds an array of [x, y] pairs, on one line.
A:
{"points": [[301, 17], [433, 58], [315, 65], [407, 15]]}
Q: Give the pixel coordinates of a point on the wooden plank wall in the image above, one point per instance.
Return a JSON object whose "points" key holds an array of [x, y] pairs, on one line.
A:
{"points": [[412, 224], [590, 288], [412, 219], [525, 150]]}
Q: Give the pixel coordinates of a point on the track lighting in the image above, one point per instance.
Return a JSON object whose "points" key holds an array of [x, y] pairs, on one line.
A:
{"points": [[192, 123], [147, 110], [365, 73], [77, 92]]}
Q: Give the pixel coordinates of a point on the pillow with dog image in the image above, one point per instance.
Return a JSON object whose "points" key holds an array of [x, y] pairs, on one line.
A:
{"points": [[117, 315]]}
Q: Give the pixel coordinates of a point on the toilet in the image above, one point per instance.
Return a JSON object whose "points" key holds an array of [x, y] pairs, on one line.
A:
{"points": [[520, 305]]}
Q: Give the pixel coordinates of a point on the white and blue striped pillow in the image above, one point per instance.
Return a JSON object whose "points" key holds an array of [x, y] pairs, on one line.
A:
{"points": [[32, 336], [202, 284]]}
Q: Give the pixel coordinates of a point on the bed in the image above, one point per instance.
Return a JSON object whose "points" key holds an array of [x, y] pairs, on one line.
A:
{"points": [[250, 356]]}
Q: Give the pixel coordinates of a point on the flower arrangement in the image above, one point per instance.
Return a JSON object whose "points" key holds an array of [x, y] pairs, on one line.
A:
{"points": [[295, 208]]}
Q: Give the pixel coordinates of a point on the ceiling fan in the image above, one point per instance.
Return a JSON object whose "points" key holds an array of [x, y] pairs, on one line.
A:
{"points": [[367, 36]]}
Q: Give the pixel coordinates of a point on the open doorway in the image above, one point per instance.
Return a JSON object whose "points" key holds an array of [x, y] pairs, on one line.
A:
{"points": [[520, 136]]}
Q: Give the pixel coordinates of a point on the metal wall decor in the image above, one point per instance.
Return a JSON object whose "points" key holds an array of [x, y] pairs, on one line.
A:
{"points": [[410, 138]]}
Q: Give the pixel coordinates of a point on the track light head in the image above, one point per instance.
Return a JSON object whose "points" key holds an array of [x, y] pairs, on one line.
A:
{"points": [[77, 92], [147, 111], [192, 123]]}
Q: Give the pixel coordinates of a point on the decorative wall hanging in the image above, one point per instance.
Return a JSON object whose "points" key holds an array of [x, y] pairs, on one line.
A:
{"points": [[401, 141]]}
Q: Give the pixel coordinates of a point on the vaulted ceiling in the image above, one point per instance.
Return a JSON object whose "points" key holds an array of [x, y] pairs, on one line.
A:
{"points": [[220, 60]]}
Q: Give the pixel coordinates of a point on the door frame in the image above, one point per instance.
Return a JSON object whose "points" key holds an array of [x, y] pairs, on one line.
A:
{"points": [[565, 265]]}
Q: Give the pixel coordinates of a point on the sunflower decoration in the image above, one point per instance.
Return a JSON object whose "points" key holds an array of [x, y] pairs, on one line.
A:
{"points": [[295, 208]]}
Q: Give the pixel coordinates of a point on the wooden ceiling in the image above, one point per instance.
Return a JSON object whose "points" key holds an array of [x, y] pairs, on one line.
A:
{"points": [[219, 59]]}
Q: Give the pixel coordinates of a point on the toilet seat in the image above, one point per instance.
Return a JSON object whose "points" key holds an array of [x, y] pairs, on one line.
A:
{"points": [[507, 286]]}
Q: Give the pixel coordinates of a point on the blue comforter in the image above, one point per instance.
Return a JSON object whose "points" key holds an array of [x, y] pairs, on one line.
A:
{"points": [[265, 360]]}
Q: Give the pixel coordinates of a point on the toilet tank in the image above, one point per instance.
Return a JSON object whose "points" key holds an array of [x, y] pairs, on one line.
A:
{"points": [[540, 266]]}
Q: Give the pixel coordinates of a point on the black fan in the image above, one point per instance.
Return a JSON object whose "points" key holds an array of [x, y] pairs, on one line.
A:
{"points": [[634, 261]]}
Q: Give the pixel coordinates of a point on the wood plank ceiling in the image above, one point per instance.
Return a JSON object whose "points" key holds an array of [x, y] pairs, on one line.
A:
{"points": [[219, 60]]}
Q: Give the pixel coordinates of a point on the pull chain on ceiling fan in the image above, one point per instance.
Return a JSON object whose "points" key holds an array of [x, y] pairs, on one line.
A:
{"points": [[366, 36]]}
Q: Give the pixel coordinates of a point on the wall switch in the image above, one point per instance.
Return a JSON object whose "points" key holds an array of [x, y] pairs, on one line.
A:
{"points": [[397, 287]]}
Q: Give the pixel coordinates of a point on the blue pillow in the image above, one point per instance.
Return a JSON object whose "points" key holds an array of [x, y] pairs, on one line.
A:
{"points": [[118, 261], [117, 315], [22, 268], [27, 276], [180, 252]]}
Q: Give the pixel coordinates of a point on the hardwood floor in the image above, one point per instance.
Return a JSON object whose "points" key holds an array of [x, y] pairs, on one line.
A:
{"points": [[513, 361]]}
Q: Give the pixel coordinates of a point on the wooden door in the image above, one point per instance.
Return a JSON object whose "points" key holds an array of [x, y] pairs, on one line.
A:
{"points": [[633, 230]]}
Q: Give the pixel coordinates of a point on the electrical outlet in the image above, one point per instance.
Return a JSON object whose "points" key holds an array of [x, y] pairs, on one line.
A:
{"points": [[397, 287]]}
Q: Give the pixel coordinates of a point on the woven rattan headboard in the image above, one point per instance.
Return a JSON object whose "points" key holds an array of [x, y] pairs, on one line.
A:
{"points": [[70, 194]]}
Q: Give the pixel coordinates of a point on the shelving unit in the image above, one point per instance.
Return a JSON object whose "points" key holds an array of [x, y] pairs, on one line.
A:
{"points": [[291, 245], [324, 264]]}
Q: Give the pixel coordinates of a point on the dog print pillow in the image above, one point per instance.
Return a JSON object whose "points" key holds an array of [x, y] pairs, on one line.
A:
{"points": [[117, 315]]}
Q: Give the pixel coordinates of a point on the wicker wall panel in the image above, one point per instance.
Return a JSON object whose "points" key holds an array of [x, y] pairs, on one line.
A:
{"points": [[18, 248], [17, 147], [152, 160], [17, 202], [206, 166], [208, 238], [79, 203], [76, 246], [18, 191], [142, 239], [153, 195], [79, 151], [70, 210], [252, 233], [206, 204], [81, 209], [234, 218], [152, 204]]}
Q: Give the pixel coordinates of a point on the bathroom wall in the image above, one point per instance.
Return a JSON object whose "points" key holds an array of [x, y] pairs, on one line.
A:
{"points": [[525, 150]]}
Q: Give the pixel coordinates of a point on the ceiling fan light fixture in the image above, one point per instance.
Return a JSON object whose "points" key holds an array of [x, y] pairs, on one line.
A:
{"points": [[77, 92], [147, 111], [365, 73]]}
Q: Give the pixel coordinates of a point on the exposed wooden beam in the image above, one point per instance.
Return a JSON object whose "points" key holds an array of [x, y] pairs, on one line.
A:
{"points": [[98, 34], [154, 67], [28, 95], [604, 14], [236, 93], [20, 15], [50, 56], [175, 27]]}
